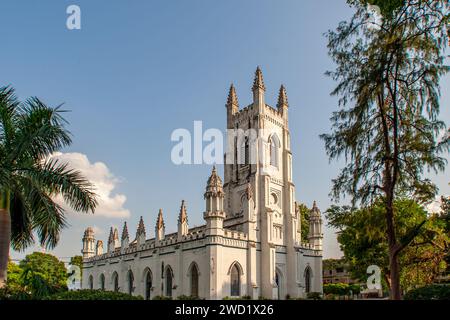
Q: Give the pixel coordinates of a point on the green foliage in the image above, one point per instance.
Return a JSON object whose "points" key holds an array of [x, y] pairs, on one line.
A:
{"points": [[238, 298], [314, 296], [341, 289], [362, 238], [14, 281], [92, 295], [304, 220], [162, 298], [43, 274], [185, 297], [30, 132], [14, 293], [77, 261], [387, 7], [430, 292]]}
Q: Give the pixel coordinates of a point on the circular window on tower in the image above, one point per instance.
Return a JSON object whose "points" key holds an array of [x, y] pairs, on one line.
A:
{"points": [[273, 198]]}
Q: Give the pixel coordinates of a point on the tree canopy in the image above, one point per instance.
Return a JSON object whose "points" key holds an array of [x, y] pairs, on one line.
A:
{"points": [[362, 238]]}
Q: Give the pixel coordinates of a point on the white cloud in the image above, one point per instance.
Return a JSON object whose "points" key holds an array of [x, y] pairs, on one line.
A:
{"points": [[109, 204], [435, 206]]}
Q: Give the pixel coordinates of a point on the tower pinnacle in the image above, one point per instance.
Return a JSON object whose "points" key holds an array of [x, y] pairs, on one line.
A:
{"points": [[282, 98], [258, 82]]}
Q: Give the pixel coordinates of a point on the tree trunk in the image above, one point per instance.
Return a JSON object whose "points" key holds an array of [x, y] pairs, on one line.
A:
{"points": [[394, 271], [5, 235], [5, 238]]}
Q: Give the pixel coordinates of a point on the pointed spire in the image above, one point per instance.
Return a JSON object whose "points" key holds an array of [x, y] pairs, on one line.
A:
{"points": [[258, 83], [116, 234], [125, 231], [232, 97], [111, 235], [315, 210], [214, 180], [183, 213], [141, 227], [282, 98], [160, 220]]}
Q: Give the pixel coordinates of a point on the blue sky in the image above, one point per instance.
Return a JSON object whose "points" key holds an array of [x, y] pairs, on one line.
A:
{"points": [[137, 70]]}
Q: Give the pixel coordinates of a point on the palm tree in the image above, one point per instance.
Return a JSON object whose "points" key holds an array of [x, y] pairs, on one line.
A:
{"points": [[29, 180]]}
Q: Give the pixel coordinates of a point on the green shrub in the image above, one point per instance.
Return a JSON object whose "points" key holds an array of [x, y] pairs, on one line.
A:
{"points": [[162, 298], [430, 292], [237, 298], [14, 293], [185, 297], [341, 289], [91, 295], [314, 296]]}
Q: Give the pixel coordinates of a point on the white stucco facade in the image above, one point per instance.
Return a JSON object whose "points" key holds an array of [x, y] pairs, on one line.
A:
{"points": [[250, 244]]}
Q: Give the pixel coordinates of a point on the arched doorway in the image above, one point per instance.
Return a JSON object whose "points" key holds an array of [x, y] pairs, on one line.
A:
{"points": [[194, 280], [279, 282], [115, 281], [148, 284], [235, 281], [130, 278], [307, 280], [169, 281], [102, 282]]}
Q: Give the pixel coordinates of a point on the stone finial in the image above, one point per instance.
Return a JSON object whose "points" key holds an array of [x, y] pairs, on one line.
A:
{"points": [[89, 233], [183, 213], [100, 244], [232, 99], [160, 220], [125, 231], [116, 235], [282, 98], [214, 185], [141, 227], [258, 82], [315, 210]]}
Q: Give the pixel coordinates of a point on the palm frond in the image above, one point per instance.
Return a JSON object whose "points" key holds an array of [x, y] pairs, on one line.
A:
{"points": [[58, 179], [41, 131]]}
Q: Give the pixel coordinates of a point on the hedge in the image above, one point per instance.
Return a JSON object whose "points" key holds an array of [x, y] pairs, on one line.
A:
{"points": [[87, 294], [429, 292]]}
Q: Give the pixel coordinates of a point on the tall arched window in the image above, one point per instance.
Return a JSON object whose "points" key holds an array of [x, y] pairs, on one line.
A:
{"points": [[235, 280], [148, 284], [169, 280], [274, 147], [308, 279], [130, 279], [244, 157], [102, 282], [194, 280], [115, 281], [91, 282]]}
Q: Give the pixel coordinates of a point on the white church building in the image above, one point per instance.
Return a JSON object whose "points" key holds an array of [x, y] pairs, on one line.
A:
{"points": [[250, 244]]}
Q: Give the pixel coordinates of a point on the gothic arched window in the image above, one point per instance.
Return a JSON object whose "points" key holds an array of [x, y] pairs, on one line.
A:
{"points": [[274, 147], [235, 280], [308, 279], [148, 284], [169, 281], [194, 280], [130, 282], [91, 282], [115, 280], [102, 282], [244, 157]]}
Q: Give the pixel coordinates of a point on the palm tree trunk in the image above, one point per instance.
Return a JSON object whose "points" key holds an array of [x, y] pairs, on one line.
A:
{"points": [[5, 236]]}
